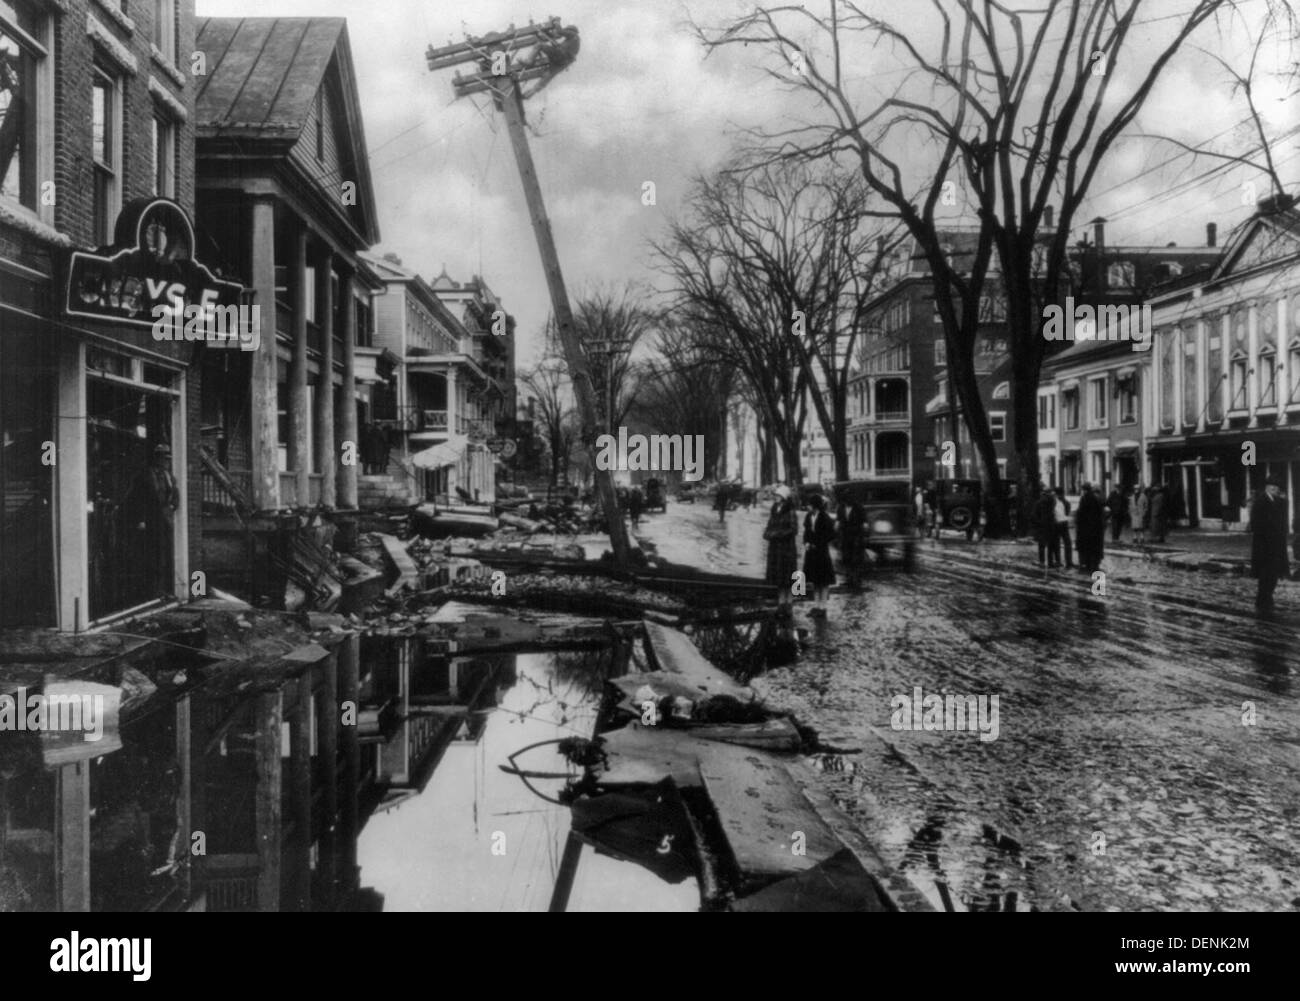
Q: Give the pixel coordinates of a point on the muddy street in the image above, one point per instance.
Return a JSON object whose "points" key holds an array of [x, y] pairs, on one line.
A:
{"points": [[1146, 741]]}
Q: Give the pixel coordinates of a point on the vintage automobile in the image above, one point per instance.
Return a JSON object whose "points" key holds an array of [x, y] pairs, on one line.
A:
{"points": [[655, 497], [686, 493], [961, 505], [890, 522]]}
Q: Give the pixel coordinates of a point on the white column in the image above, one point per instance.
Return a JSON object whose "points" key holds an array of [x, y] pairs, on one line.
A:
{"points": [[1179, 345], [263, 404], [1202, 354], [1252, 362], [70, 477]]}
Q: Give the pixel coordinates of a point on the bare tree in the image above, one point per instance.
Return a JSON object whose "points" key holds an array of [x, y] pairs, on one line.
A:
{"points": [[556, 418], [1013, 108], [775, 267], [611, 322], [683, 389]]}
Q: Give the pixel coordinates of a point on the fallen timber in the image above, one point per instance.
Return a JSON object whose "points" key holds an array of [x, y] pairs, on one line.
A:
{"points": [[708, 588], [760, 842], [461, 629]]}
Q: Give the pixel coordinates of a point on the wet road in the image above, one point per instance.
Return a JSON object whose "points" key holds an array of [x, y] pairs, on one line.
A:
{"points": [[1148, 742]]}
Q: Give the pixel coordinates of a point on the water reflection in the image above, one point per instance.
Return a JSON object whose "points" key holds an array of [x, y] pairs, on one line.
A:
{"points": [[362, 774], [475, 837]]}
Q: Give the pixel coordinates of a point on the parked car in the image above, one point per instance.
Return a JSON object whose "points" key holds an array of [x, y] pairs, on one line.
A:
{"points": [[961, 505], [686, 493], [890, 522], [655, 498]]}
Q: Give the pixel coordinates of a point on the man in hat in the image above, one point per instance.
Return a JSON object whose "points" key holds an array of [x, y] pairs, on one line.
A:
{"points": [[1268, 559], [151, 511]]}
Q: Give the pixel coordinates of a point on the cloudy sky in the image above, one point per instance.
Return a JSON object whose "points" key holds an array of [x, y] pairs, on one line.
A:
{"points": [[642, 103]]}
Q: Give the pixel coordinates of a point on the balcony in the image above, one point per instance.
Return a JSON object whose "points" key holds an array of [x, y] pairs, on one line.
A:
{"points": [[886, 416]]}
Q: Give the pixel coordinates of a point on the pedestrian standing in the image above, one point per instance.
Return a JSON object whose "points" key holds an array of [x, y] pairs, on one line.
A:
{"points": [[1043, 520], [1061, 516], [782, 548], [818, 570], [720, 501], [1159, 513], [1090, 528], [931, 511], [853, 518], [1141, 514], [1268, 559], [918, 500], [1117, 508], [635, 504]]}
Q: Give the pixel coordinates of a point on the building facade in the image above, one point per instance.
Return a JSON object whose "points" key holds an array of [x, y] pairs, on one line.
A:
{"points": [[98, 417], [448, 393], [1225, 383], [284, 193]]}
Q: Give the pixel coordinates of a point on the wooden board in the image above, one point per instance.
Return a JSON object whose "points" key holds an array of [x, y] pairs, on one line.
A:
{"points": [[761, 809], [672, 652], [643, 756], [838, 884]]}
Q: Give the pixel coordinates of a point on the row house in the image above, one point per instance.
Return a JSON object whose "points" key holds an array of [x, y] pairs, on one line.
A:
{"points": [[99, 417], [453, 389], [285, 198], [1225, 372], [489, 404], [1094, 395]]}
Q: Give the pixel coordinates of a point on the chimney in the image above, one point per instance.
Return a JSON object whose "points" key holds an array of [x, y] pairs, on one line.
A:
{"points": [[1211, 234], [1099, 235], [1049, 216]]}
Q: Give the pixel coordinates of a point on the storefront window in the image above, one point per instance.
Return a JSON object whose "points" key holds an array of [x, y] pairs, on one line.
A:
{"points": [[27, 429]]}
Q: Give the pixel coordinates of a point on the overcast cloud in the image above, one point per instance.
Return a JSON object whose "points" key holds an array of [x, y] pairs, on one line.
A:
{"points": [[642, 103]]}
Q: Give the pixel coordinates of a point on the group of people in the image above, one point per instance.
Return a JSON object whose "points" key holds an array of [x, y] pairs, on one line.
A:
{"points": [[1146, 509], [819, 531]]}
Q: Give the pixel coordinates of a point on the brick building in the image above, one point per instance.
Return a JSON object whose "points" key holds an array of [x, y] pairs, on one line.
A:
{"points": [[96, 203]]}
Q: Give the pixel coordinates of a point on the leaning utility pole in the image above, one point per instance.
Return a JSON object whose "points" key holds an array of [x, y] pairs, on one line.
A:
{"points": [[506, 60]]}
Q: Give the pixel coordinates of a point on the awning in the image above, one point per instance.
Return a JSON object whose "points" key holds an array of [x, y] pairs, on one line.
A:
{"points": [[446, 454]]}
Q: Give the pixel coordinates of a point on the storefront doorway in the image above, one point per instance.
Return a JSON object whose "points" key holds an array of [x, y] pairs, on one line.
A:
{"points": [[132, 488]]}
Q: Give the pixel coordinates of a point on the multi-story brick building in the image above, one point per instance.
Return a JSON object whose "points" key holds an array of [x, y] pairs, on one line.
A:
{"points": [[96, 202]]}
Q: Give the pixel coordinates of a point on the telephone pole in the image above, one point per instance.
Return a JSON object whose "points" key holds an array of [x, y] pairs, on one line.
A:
{"points": [[504, 62]]}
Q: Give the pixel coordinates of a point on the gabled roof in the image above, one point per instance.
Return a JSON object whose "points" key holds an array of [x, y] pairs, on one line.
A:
{"points": [[263, 74], [1262, 239]]}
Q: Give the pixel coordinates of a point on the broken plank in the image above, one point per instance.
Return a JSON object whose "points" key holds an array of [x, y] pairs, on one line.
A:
{"points": [[407, 572], [763, 813], [673, 652]]}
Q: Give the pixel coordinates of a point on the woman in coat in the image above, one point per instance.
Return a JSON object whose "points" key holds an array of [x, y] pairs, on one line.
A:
{"points": [[1159, 513], [782, 551], [1141, 515], [818, 570]]}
